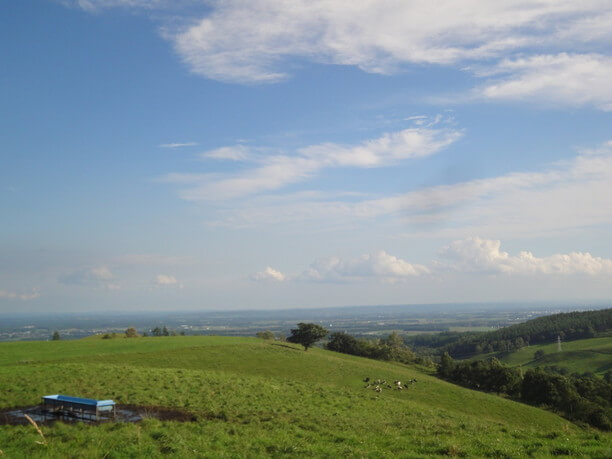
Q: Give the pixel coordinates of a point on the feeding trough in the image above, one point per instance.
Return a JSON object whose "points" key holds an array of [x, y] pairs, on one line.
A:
{"points": [[77, 407]]}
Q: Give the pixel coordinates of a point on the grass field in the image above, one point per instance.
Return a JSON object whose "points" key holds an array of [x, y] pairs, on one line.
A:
{"points": [[256, 398], [592, 355]]}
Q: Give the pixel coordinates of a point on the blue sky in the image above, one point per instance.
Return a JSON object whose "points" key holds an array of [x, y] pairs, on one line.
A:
{"points": [[270, 154]]}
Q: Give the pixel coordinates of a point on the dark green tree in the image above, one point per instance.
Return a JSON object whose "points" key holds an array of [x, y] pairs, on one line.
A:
{"points": [[56, 336], [343, 342], [537, 355], [157, 331], [447, 365], [307, 334], [165, 331]]}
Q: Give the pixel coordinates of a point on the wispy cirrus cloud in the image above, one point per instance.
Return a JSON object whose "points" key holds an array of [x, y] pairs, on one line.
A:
{"points": [[178, 145], [539, 46], [561, 79], [95, 5], [567, 195], [232, 153], [95, 276], [253, 41], [272, 172]]}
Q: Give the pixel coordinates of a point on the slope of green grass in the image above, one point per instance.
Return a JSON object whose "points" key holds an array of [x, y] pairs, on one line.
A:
{"points": [[594, 355], [256, 398]]}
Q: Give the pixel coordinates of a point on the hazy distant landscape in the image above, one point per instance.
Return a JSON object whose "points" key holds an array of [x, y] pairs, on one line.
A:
{"points": [[369, 321]]}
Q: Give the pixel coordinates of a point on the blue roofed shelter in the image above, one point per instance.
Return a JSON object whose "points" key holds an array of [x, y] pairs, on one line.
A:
{"points": [[86, 408]]}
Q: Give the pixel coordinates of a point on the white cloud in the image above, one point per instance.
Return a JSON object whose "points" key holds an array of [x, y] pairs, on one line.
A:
{"points": [[472, 256], [234, 153], [573, 79], [178, 145], [484, 255], [380, 265], [564, 196], [253, 41], [257, 41], [24, 296], [94, 5], [269, 274], [165, 280], [276, 171], [96, 276]]}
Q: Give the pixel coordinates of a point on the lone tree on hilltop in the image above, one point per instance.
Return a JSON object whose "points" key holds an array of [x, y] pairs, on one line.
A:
{"points": [[131, 333], [307, 334], [56, 336]]}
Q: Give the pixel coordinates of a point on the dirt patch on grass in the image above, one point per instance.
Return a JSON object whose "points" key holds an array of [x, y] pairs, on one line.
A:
{"points": [[160, 412], [124, 413]]}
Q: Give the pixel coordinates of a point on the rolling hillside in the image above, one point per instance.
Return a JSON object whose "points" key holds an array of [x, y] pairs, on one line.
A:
{"points": [[586, 355], [253, 398], [570, 326]]}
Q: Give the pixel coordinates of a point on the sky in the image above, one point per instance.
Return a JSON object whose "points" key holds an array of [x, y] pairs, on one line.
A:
{"points": [[202, 154]]}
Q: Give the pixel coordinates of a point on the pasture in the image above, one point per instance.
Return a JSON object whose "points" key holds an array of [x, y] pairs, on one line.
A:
{"points": [[586, 355], [260, 398]]}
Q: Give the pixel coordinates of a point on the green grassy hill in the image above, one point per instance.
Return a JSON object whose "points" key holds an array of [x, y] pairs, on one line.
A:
{"points": [[592, 355], [256, 398]]}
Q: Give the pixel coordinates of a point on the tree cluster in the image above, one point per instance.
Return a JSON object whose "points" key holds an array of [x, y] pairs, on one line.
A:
{"points": [[163, 332], [391, 348], [585, 398], [568, 326], [485, 375]]}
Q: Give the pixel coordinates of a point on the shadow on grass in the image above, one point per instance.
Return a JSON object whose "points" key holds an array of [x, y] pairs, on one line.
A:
{"points": [[286, 345]]}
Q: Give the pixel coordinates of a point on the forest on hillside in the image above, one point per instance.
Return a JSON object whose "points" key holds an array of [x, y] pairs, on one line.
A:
{"points": [[568, 326]]}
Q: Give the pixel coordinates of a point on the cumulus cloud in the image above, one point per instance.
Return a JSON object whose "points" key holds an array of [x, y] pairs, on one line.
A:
{"points": [[380, 265], [269, 274], [473, 256], [165, 280], [470, 255], [23, 296], [276, 171], [485, 255], [570, 79], [97, 276]]}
